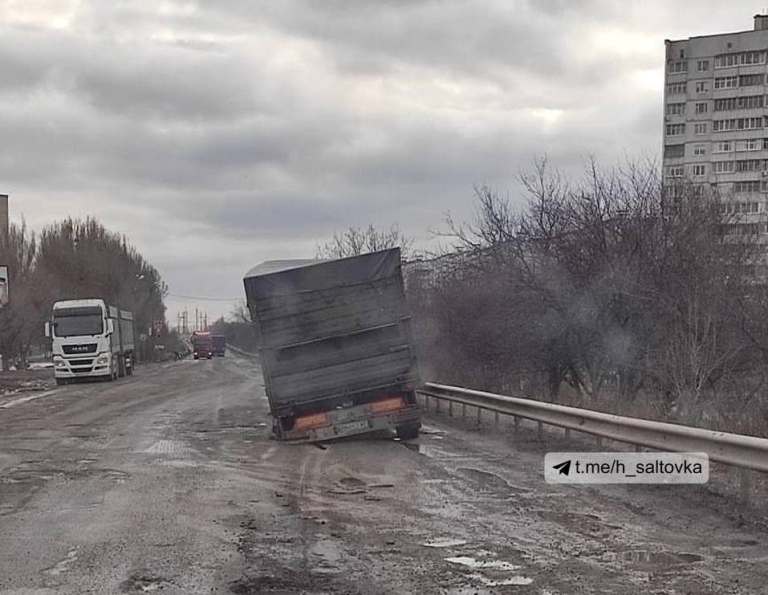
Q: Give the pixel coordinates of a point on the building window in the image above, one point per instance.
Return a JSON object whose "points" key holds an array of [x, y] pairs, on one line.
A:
{"points": [[701, 108], [676, 89], [675, 109], [723, 167], [724, 105], [747, 186], [702, 65], [723, 147], [675, 129], [737, 124], [746, 102], [739, 59], [749, 165], [699, 169], [754, 144], [678, 66], [701, 87], [700, 128], [751, 102], [673, 151], [750, 80], [726, 82], [699, 149], [675, 171]]}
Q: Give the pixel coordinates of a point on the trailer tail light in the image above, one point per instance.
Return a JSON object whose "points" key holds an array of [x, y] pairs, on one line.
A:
{"points": [[309, 422], [385, 405]]}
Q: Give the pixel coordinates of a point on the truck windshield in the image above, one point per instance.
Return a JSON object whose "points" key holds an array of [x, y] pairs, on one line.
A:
{"points": [[78, 321]]}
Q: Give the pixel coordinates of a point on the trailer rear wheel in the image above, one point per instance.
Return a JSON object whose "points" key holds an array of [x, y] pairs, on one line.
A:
{"points": [[408, 432]]}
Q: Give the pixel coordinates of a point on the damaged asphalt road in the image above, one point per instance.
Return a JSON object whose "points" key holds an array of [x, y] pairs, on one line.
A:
{"points": [[169, 481]]}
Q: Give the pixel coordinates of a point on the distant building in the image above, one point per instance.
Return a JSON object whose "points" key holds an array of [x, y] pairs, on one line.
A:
{"points": [[715, 123]]}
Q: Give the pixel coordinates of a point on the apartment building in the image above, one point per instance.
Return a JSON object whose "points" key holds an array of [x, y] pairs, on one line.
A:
{"points": [[716, 118]]}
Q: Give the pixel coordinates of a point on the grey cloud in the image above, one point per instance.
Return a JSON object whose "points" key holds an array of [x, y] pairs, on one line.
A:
{"points": [[241, 134]]}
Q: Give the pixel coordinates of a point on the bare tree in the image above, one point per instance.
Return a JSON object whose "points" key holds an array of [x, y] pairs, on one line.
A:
{"points": [[356, 240], [21, 320], [606, 285]]}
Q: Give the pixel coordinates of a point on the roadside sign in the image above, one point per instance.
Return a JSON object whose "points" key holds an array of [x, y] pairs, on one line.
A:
{"points": [[4, 287]]}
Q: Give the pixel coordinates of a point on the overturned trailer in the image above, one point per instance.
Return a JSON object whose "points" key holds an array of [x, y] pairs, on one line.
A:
{"points": [[335, 346]]}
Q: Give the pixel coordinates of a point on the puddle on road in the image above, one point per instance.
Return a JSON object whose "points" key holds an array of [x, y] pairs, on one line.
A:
{"points": [[491, 482], [63, 566], [143, 583], [516, 580], [484, 564], [329, 556], [659, 558], [431, 431], [444, 542], [167, 447], [490, 571], [424, 449]]}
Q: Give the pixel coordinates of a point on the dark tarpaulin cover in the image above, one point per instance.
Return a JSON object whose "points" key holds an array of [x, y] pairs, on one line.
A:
{"points": [[284, 277]]}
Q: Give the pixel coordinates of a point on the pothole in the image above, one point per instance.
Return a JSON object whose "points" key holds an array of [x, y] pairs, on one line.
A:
{"points": [[142, 583], [659, 558]]}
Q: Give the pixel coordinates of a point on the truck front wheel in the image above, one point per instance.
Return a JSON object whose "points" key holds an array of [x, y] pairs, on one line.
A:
{"points": [[408, 432]]}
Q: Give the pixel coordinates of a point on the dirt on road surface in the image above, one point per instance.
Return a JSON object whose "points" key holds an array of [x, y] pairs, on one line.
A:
{"points": [[169, 481], [11, 383]]}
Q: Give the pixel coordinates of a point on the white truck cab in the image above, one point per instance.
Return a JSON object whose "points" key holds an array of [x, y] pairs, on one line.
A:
{"points": [[90, 339]]}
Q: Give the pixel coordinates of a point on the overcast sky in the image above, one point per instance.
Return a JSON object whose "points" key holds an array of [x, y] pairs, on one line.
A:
{"points": [[220, 134]]}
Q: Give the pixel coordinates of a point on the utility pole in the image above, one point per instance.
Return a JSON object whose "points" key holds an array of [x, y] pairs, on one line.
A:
{"points": [[197, 319]]}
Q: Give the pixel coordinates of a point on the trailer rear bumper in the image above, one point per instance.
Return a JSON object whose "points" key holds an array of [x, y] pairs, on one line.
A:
{"points": [[352, 421]]}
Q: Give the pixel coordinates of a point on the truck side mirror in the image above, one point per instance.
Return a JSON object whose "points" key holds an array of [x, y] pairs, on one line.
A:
{"points": [[47, 329], [110, 326]]}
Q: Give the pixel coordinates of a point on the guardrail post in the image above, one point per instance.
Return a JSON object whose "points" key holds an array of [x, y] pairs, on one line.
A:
{"points": [[599, 442], [497, 418], [450, 408], [638, 448], [479, 416], [745, 485], [540, 430], [567, 433], [517, 423]]}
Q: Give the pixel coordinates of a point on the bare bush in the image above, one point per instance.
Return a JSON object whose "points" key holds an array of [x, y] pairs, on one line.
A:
{"points": [[605, 286], [355, 241]]}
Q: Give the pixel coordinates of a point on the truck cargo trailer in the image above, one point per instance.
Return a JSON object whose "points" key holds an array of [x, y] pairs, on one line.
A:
{"points": [[336, 349]]}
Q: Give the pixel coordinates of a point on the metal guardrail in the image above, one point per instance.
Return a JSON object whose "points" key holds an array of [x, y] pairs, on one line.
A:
{"points": [[242, 352], [745, 452]]}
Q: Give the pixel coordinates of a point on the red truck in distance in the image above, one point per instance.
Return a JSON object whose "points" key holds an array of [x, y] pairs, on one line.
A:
{"points": [[202, 345]]}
